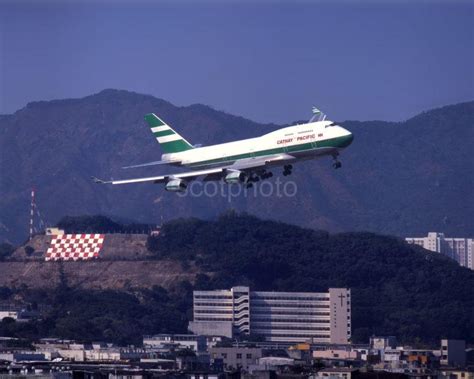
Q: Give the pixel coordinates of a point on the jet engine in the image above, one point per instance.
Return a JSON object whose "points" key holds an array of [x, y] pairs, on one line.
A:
{"points": [[235, 176], [176, 185]]}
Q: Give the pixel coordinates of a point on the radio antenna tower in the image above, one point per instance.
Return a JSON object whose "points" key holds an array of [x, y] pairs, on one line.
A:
{"points": [[32, 211]]}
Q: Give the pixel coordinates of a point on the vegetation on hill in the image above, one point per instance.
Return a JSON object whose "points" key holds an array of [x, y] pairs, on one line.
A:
{"points": [[397, 178], [6, 250], [397, 289], [100, 224]]}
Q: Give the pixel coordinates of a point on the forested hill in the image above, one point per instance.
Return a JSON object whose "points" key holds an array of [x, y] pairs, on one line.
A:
{"points": [[397, 289], [398, 178]]}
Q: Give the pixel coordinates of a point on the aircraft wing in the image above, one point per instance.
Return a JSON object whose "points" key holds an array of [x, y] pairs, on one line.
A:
{"points": [[191, 175], [152, 164], [247, 165], [260, 162]]}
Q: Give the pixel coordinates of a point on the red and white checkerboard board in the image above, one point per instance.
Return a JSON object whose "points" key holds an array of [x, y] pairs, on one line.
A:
{"points": [[73, 247]]}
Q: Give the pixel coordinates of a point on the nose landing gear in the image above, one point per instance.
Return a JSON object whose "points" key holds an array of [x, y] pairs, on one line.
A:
{"points": [[337, 163]]}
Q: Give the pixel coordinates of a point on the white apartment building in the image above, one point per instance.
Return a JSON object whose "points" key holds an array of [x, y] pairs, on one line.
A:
{"points": [[285, 317], [459, 249]]}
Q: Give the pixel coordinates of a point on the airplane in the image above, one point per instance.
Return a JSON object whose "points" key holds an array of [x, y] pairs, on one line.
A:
{"points": [[245, 161]]}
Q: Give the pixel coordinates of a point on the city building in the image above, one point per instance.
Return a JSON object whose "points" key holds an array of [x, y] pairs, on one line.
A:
{"points": [[236, 357], [459, 249], [455, 374], [453, 353], [337, 373], [284, 317], [382, 343], [190, 341], [4, 313]]}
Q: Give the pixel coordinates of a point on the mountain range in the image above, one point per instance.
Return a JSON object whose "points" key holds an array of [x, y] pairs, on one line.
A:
{"points": [[401, 178]]}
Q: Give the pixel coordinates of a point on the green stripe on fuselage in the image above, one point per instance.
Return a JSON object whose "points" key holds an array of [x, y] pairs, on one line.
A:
{"points": [[337, 143]]}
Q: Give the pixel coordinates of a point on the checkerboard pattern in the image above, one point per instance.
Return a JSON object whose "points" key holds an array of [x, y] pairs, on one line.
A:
{"points": [[74, 247]]}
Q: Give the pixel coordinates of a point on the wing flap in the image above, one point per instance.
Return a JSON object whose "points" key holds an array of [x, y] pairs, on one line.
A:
{"points": [[153, 164]]}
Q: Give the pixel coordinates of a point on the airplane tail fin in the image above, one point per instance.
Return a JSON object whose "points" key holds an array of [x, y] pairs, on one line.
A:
{"points": [[170, 141]]}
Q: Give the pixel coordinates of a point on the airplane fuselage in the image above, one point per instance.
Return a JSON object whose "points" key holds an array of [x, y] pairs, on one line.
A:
{"points": [[303, 141]]}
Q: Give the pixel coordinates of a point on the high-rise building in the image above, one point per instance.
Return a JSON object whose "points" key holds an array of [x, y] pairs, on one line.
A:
{"points": [[459, 249], [277, 316]]}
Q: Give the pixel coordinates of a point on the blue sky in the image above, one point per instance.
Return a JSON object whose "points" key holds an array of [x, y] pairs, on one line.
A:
{"points": [[269, 61]]}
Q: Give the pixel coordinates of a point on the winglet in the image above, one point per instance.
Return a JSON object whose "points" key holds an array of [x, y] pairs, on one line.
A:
{"points": [[98, 181]]}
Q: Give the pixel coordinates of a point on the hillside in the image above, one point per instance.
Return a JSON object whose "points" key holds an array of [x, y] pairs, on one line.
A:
{"points": [[125, 262], [397, 289], [397, 178]]}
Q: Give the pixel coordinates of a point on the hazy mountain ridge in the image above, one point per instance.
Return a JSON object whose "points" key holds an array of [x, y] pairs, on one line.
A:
{"points": [[398, 178]]}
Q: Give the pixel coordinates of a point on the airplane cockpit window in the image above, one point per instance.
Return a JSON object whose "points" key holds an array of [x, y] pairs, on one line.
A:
{"points": [[331, 124], [317, 115]]}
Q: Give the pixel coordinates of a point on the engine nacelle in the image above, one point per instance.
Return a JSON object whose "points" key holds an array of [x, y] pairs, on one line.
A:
{"points": [[235, 177], [176, 185]]}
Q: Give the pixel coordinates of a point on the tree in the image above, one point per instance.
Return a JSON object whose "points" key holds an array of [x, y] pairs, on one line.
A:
{"points": [[6, 250]]}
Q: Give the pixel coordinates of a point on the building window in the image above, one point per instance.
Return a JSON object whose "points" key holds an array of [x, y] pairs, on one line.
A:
{"points": [[224, 355], [249, 356], [239, 356]]}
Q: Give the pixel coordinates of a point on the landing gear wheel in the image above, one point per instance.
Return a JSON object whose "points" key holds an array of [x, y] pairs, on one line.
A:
{"points": [[287, 169], [337, 165]]}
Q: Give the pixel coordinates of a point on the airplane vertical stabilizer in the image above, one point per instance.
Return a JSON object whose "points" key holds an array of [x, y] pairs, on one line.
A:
{"points": [[170, 141]]}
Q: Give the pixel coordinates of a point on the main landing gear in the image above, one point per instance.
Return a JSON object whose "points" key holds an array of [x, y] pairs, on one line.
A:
{"points": [[257, 177], [287, 169]]}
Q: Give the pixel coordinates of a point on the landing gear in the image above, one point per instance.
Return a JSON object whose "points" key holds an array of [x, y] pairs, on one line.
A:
{"points": [[266, 175], [253, 179], [336, 164], [287, 169]]}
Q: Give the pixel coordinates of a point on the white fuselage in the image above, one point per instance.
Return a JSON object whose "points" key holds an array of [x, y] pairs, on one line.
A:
{"points": [[301, 141]]}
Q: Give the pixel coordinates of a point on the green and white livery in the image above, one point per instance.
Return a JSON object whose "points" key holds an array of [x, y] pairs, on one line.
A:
{"points": [[170, 141], [244, 161]]}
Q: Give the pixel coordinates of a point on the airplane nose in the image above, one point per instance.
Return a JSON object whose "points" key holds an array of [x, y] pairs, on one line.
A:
{"points": [[347, 139]]}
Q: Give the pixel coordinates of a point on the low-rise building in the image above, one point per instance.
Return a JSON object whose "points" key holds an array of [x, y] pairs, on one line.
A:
{"points": [[337, 373], [9, 314], [193, 342], [382, 343], [236, 357], [455, 374], [336, 353]]}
